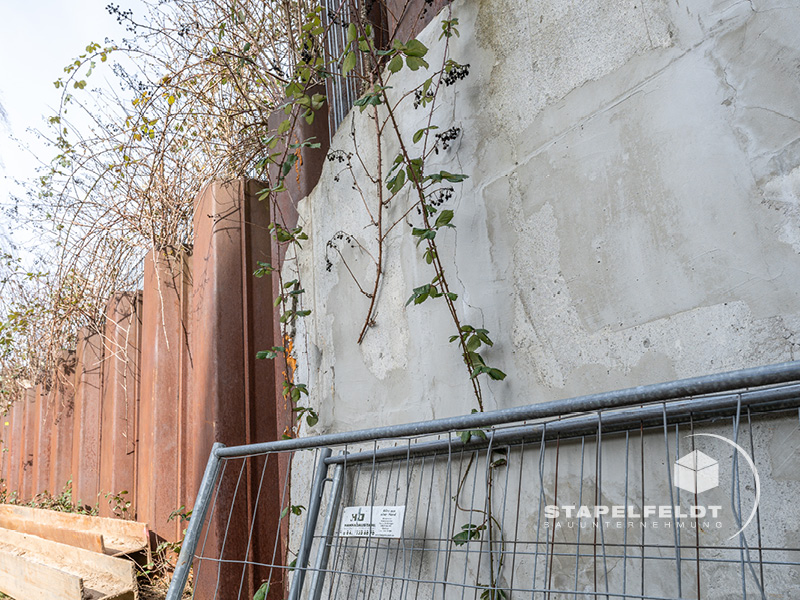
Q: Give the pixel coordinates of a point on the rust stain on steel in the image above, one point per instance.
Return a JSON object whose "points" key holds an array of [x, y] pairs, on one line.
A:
{"points": [[121, 379], [63, 412], [10, 444], [163, 406], [15, 451], [5, 442], [233, 393], [87, 420], [41, 444], [26, 487]]}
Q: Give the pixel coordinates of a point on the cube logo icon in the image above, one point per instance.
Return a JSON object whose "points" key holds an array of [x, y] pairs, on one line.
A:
{"points": [[696, 472]]}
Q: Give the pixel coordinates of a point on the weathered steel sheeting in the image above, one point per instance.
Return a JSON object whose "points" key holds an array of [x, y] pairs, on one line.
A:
{"points": [[26, 466], [233, 393], [166, 364], [42, 442], [62, 412], [121, 379], [87, 420]]}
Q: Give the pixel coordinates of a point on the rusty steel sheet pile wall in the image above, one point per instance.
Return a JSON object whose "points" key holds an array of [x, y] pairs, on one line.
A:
{"points": [[42, 442], [62, 411], [120, 400], [166, 375], [26, 464], [234, 393], [138, 404], [86, 439]]}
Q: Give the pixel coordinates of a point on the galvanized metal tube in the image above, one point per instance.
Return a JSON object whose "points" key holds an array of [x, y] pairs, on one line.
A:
{"points": [[312, 513], [772, 399], [189, 545], [328, 526], [695, 386]]}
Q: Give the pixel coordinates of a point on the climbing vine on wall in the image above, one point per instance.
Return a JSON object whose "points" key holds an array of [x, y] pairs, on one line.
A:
{"points": [[395, 178]]}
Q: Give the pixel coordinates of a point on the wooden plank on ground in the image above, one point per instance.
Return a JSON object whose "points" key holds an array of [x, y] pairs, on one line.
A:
{"points": [[104, 577], [119, 537], [88, 540], [26, 579]]}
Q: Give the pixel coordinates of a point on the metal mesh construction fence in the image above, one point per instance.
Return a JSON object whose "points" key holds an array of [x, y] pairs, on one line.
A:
{"points": [[672, 491]]}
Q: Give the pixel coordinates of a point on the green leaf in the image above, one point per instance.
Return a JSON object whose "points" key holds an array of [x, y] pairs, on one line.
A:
{"points": [[421, 294], [352, 33], [415, 48], [262, 592], [451, 177], [444, 218], [418, 135], [423, 234], [496, 374], [396, 183], [284, 126], [414, 63], [312, 419], [349, 63], [396, 63], [473, 343]]}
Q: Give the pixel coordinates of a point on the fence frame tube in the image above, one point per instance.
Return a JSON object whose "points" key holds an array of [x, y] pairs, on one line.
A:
{"points": [[311, 524], [328, 526], [189, 545], [643, 394]]}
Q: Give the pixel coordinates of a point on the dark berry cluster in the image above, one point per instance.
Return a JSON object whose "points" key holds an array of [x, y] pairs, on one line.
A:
{"points": [[124, 17], [421, 98], [340, 237], [456, 73], [436, 199], [305, 54], [339, 155], [445, 138]]}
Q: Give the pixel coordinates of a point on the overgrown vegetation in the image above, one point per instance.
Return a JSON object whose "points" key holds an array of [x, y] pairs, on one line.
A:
{"points": [[61, 502], [197, 85]]}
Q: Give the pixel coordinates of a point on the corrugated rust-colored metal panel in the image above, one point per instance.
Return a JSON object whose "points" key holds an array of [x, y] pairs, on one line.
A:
{"points": [[121, 378], [63, 412], [86, 439], [15, 448], [26, 487], [166, 361], [7, 448], [234, 400], [42, 446]]}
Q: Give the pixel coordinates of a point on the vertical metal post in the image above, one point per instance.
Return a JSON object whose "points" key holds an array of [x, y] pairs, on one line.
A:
{"points": [[199, 513], [324, 551], [311, 524]]}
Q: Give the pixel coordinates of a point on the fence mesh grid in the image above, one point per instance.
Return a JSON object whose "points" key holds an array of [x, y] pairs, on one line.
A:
{"points": [[476, 521]]}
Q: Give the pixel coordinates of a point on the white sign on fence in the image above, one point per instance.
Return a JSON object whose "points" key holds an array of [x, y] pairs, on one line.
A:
{"points": [[372, 521]]}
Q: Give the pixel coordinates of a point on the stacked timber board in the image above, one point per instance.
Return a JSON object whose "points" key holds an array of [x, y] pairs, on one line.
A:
{"points": [[37, 567]]}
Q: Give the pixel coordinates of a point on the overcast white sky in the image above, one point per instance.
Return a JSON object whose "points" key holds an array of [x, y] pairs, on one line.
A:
{"points": [[37, 39]]}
